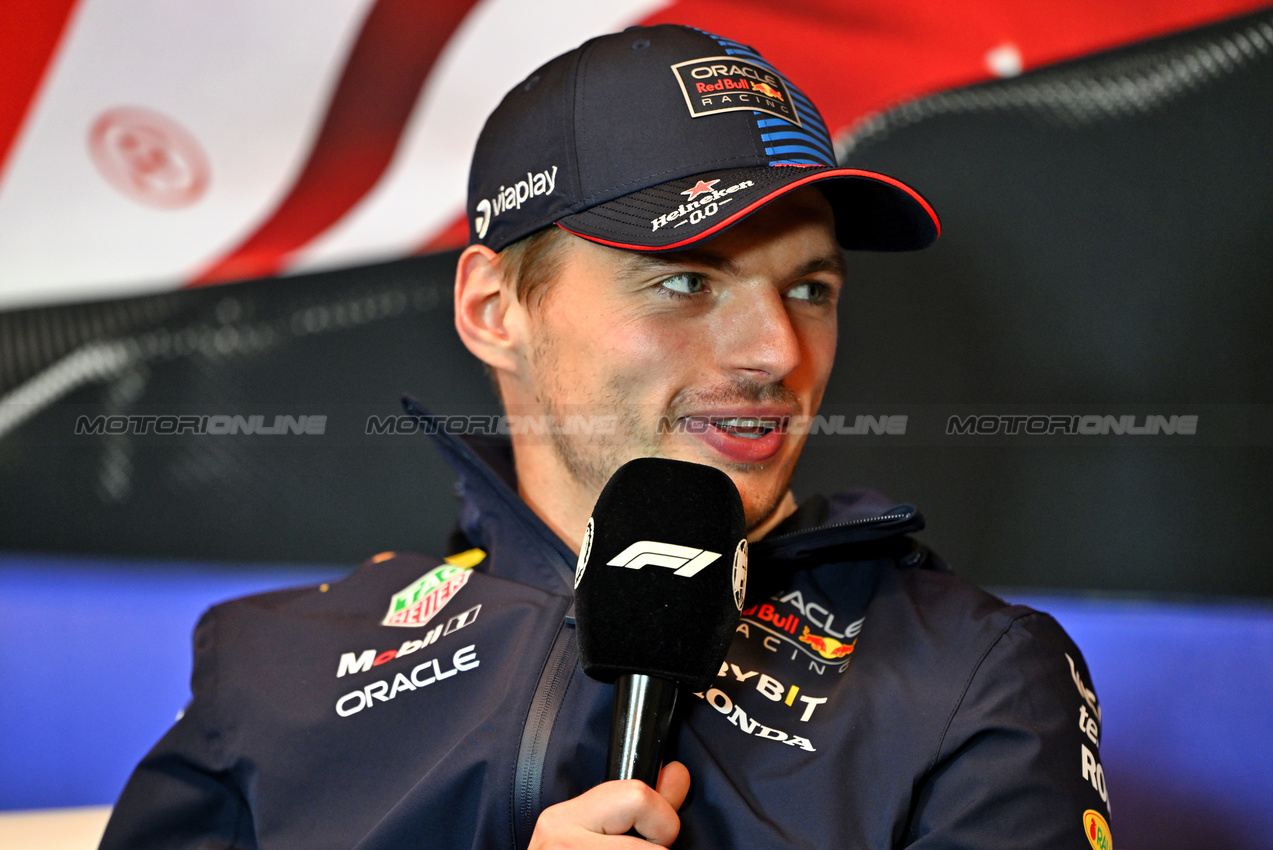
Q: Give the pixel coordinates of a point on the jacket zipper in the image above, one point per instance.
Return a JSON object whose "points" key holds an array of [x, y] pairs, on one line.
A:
{"points": [[559, 667], [529, 775], [871, 520]]}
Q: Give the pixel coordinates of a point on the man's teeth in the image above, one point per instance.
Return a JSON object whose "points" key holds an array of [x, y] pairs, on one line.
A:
{"points": [[752, 429]]}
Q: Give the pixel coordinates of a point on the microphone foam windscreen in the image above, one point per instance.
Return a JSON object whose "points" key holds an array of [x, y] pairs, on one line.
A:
{"points": [[662, 573]]}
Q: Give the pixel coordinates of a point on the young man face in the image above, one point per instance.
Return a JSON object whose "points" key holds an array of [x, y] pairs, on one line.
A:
{"points": [[725, 342]]}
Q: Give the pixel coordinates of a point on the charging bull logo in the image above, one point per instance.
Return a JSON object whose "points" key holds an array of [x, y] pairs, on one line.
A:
{"points": [[827, 647], [767, 90]]}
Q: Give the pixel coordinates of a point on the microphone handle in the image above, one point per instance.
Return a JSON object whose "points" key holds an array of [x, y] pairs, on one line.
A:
{"points": [[643, 707]]}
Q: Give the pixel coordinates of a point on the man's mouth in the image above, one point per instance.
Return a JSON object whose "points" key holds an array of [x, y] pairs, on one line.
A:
{"points": [[750, 428]]}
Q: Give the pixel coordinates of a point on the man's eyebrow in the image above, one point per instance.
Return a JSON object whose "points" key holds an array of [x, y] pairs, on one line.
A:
{"points": [[833, 263], [641, 262]]}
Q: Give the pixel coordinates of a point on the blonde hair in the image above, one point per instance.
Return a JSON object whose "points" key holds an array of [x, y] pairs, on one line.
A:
{"points": [[533, 262]]}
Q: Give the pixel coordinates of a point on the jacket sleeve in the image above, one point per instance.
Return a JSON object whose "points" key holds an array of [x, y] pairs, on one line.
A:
{"points": [[183, 794], [1019, 764]]}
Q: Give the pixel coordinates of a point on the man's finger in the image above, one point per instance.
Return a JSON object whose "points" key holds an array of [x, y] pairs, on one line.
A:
{"points": [[611, 809], [639, 807], [674, 783]]}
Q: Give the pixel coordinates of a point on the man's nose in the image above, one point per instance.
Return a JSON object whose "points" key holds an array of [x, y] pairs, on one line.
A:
{"points": [[759, 341]]}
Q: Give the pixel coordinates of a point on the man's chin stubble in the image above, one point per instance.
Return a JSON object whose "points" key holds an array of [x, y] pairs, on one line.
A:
{"points": [[591, 471]]}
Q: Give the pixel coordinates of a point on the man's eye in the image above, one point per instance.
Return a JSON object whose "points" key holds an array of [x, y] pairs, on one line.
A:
{"points": [[684, 284], [809, 291]]}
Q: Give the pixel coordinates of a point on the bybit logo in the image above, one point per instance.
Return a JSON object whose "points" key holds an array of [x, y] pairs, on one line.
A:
{"points": [[685, 560]]}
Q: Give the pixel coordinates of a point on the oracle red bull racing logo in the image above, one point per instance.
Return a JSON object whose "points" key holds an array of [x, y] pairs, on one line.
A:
{"points": [[716, 84], [782, 625]]}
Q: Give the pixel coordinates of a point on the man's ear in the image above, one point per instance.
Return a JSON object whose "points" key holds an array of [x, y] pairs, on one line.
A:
{"points": [[487, 312]]}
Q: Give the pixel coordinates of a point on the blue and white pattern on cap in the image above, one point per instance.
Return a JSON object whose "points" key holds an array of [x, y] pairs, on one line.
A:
{"points": [[786, 143]]}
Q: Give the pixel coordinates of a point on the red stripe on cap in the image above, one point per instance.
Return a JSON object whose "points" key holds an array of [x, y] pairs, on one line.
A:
{"points": [[396, 49], [884, 178], [759, 202], [29, 36]]}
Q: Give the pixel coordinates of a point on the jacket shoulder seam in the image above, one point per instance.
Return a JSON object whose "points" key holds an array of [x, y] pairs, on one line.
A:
{"points": [[216, 730], [972, 674]]}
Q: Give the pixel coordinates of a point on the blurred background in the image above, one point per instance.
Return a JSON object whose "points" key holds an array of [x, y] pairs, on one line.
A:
{"points": [[253, 209]]}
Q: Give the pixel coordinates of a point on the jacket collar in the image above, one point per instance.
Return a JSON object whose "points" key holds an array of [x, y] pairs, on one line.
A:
{"points": [[495, 518], [492, 515]]}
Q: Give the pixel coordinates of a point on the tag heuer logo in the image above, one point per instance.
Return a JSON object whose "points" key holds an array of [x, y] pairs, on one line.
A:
{"points": [[419, 601], [728, 84]]}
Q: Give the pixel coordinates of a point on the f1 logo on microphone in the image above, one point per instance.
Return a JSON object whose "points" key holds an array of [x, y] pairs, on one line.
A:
{"points": [[686, 560]]}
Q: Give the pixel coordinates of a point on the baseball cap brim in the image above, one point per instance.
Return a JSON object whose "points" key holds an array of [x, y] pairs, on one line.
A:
{"points": [[873, 212]]}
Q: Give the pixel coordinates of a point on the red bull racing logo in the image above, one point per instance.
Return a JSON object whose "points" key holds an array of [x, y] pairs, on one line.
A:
{"points": [[782, 626], [728, 84]]}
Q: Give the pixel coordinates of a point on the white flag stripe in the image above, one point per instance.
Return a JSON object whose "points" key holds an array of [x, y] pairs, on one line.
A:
{"points": [[425, 187], [248, 81]]}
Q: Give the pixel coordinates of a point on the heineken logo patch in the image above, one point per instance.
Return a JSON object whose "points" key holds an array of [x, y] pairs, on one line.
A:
{"points": [[728, 84], [420, 601]]}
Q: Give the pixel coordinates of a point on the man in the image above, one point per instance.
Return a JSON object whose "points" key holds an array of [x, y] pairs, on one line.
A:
{"points": [[656, 228]]}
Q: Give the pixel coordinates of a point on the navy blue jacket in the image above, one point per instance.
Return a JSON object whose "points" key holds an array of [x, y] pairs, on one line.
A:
{"points": [[871, 699]]}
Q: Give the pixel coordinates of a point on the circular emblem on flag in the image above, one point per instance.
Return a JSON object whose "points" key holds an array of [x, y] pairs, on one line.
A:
{"points": [[740, 573], [584, 550], [148, 157]]}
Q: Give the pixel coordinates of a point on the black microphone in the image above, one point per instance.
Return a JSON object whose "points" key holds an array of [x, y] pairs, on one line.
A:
{"points": [[658, 590]]}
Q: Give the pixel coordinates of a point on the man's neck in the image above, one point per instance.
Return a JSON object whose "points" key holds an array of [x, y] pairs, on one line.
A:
{"points": [[565, 507], [785, 508]]}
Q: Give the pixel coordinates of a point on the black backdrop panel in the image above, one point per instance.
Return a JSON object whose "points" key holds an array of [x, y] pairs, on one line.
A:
{"points": [[1105, 251], [345, 345], [1106, 248]]}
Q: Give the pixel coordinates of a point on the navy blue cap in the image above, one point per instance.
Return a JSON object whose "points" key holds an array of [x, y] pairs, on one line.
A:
{"points": [[656, 138]]}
